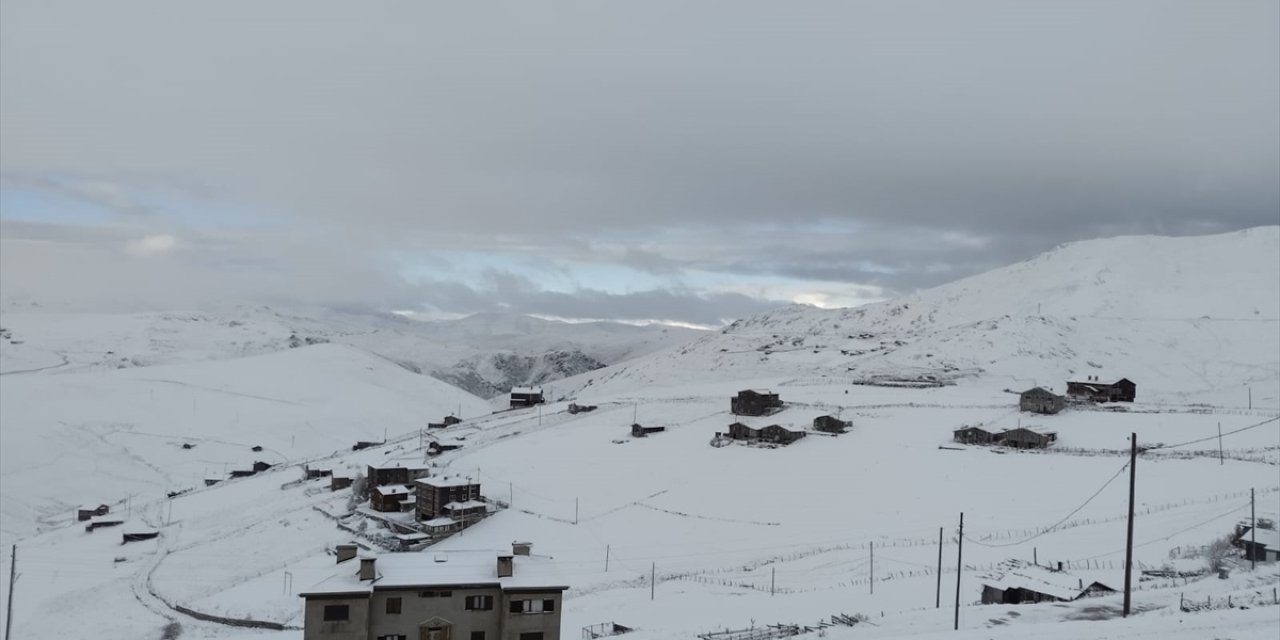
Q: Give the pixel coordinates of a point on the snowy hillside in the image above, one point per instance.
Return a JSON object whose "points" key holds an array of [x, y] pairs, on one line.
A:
{"points": [[1191, 319], [100, 437], [675, 537], [486, 354]]}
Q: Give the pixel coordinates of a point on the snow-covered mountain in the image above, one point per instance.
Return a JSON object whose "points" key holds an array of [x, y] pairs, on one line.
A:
{"points": [[485, 354], [1188, 317], [664, 533]]}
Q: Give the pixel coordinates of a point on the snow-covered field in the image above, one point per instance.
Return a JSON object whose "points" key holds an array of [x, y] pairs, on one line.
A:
{"points": [[736, 536]]}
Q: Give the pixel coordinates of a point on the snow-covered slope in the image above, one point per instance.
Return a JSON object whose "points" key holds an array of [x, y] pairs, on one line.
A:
{"points": [[1194, 318], [486, 354], [99, 437], [736, 536]]}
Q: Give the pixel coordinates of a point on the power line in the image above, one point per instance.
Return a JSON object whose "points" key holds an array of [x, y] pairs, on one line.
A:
{"points": [[1199, 440], [1064, 518]]}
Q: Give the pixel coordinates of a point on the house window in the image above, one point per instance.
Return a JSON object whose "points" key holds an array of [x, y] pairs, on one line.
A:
{"points": [[533, 606], [435, 594], [533, 635], [477, 635], [393, 605], [336, 612], [479, 603], [394, 636]]}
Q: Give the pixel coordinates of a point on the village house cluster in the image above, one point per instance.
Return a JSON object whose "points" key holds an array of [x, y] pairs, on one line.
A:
{"points": [[761, 417], [1045, 402]]}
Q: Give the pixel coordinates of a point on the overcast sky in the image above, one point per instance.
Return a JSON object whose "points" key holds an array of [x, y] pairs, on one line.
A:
{"points": [[686, 161]]}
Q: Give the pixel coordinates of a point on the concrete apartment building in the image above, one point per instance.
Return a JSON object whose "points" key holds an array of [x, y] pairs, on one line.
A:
{"points": [[447, 595]]}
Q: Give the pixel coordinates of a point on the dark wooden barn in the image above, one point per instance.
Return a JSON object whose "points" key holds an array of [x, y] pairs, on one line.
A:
{"points": [[754, 402], [975, 435], [831, 424], [84, 512], [1038, 400], [1027, 438], [640, 431], [773, 433], [1122, 390], [522, 397], [390, 497], [448, 421]]}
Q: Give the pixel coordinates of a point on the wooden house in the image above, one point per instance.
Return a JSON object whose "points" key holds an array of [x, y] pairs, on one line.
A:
{"points": [[319, 470], [1020, 582], [575, 408], [1262, 545], [522, 397], [139, 536], [448, 421], [640, 431], [103, 521], [1122, 390], [87, 511], [435, 447], [379, 475], [831, 424], [339, 482], [975, 435], [754, 402], [773, 433], [1028, 438], [1038, 400], [433, 494], [391, 497], [361, 445]]}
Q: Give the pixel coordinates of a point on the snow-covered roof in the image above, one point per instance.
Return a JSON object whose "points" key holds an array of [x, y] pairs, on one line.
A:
{"points": [[441, 568], [469, 504], [525, 390], [1019, 574], [1268, 538], [446, 481], [393, 489], [442, 521]]}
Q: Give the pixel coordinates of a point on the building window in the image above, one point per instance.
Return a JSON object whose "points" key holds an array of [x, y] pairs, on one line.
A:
{"points": [[393, 605], [435, 594], [394, 636], [479, 603], [533, 606], [337, 613], [477, 635], [534, 635]]}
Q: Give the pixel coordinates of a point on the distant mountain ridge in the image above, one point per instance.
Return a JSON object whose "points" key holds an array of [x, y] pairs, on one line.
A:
{"points": [[485, 354], [1137, 306]]}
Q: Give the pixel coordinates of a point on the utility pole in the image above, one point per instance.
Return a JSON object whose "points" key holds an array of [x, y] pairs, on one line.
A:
{"points": [[575, 511], [959, 567], [511, 493], [1220, 461], [1128, 545], [872, 548], [13, 576], [653, 574], [606, 558], [938, 597], [773, 579], [1253, 536]]}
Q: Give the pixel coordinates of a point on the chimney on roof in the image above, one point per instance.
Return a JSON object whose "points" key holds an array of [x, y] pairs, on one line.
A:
{"points": [[346, 552], [506, 566], [367, 569], [521, 548]]}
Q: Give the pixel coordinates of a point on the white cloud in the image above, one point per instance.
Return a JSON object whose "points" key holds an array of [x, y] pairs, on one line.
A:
{"points": [[152, 245]]}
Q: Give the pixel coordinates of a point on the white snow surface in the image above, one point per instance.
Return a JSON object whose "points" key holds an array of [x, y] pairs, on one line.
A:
{"points": [[736, 536]]}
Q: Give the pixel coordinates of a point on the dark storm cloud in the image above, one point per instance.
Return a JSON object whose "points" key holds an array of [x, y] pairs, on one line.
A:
{"points": [[660, 125]]}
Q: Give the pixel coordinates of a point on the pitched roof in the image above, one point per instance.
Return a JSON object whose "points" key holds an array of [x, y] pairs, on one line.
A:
{"points": [[1268, 538], [1019, 574], [441, 568]]}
